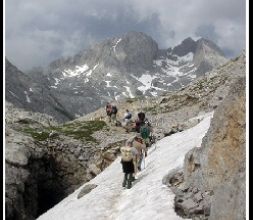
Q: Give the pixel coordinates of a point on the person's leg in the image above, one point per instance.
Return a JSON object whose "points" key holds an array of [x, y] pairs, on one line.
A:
{"points": [[124, 180], [129, 180], [147, 142], [139, 162], [109, 118], [135, 166], [113, 119]]}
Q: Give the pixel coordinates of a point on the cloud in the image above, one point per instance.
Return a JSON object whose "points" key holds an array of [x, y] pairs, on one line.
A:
{"points": [[38, 32]]}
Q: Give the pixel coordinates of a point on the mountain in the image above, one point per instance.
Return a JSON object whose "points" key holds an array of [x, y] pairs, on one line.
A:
{"points": [[128, 66], [45, 162], [118, 68], [32, 92]]}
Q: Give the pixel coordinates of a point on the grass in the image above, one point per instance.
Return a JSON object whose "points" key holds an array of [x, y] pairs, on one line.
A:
{"points": [[131, 100], [153, 109], [79, 130], [37, 134]]}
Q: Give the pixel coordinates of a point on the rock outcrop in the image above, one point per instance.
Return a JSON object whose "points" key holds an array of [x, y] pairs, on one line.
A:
{"points": [[217, 168], [46, 161]]}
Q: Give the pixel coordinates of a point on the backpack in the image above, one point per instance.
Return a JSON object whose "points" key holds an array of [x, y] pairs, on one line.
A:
{"points": [[114, 110], [145, 131], [126, 153]]}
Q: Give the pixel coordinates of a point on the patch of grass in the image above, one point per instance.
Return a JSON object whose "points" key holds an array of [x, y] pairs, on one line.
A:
{"points": [[153, 109], [37, 134], [131, 100], [79, 130]]}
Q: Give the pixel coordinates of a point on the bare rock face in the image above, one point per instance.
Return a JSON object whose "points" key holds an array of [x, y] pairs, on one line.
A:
{"points": [[45, 161], [229, 199], [218, 168], [223, 148], [32, 93]]}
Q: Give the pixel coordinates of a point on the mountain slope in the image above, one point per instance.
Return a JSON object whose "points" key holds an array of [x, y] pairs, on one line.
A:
{"points": [[31, 92], [128, 66], [146, 198]]}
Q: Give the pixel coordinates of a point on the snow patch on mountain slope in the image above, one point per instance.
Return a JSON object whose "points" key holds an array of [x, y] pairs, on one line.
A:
{"points": [[27, 97], [147, 199], [95, 66], [13, 94], [56, 81], [130, 94], [146, 81], [179, 60], [89, 73], [77, 71], [114, 46]]}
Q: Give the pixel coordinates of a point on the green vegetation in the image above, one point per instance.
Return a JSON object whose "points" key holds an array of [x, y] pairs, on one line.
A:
{"points": [[131, 100], [37, 134], [152, 109], [78, 130]]}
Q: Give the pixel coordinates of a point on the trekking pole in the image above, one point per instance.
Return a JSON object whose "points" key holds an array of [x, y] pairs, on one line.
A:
{"points": [[144, 161], [155, 143]]}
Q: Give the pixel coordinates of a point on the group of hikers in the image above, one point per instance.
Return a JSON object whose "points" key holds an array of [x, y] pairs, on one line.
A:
{"points": [[135, 149]]}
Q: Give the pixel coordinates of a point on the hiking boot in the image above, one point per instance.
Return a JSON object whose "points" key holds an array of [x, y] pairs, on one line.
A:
{"points": [[129, 181], [129, 184]]}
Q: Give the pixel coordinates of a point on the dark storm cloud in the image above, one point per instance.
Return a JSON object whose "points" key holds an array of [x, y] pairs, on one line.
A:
{"points": [[38, 32]]}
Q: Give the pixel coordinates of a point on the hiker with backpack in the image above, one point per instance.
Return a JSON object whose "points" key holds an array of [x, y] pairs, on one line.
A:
{"points": [[108, 110], [128, 161], [140, 121], [113, 114], [127, 115], [145, 131], [127, 118], [139, 144]]}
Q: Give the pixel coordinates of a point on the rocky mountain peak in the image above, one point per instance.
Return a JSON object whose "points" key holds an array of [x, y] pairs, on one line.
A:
{"points": [[188, 45], [131, 51], [127, 66], [203, 42], [207, 55]]}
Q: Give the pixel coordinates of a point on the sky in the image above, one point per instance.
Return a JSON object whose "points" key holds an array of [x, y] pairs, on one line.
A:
{"points": [[38, 32], [148, 198]]}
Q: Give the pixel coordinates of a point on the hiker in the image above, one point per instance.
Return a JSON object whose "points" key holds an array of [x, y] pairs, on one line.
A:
{"points": [[127, 115], [128, 161], [108, 110], [139, 144], [140, 121], [127, 118], [141, 116], [145, 132], [113, 115]]}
